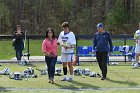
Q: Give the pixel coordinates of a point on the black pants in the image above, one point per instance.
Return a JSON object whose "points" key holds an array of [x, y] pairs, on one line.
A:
{"points": [[102, 61], [51, 66]]}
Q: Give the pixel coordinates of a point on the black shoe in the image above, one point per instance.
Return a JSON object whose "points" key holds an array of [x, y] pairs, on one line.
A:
{"points": [[139, 64], [103, 78]]}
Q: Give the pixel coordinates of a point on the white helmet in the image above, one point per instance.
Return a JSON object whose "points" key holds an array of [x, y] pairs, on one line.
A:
{"points": [[57, 71], [86, 71], [11, 75], [43, 72], [92, 74], [77, 71], [17, 76]]}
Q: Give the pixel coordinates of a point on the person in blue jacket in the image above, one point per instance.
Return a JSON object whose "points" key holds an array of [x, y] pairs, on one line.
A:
{"points": [[103, 46], [18, 43]]}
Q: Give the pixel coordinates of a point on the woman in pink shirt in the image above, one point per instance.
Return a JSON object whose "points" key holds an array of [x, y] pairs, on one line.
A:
{"points": [[49, 48]]}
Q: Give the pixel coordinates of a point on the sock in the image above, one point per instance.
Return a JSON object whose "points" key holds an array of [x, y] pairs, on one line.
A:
{"points": [[65, 76], [65, 70]]}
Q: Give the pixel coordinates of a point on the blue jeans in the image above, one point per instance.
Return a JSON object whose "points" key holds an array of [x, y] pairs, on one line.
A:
{"points": [[51, 66], [18, 54]]}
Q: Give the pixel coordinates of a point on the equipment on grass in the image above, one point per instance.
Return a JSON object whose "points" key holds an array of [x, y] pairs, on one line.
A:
{"points": [[42, 71], [57, 71], [34, 76], [86, 71], [114, 63], [6, 71], [29, 71], [23, 62], [93, 74], [16, 76], [78, 72]]}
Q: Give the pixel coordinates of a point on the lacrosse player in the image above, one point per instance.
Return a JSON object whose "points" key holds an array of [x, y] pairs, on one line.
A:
{"points": [[67, 41], [137, 49], [103, 45], [49, 48]]}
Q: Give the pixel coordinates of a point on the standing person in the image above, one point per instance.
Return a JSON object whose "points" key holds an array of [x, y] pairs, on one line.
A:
{"points": [[18, 43], [49, 48], [137, 49], [103, 45], [67, 41]]}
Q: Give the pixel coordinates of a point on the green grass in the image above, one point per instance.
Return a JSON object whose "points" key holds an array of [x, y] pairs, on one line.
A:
{"points": [[121, 76], [7, 51]]}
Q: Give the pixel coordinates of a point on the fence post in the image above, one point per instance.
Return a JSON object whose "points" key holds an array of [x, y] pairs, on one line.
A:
{"points": [[77, 58], [28, 48], [125, 44]]}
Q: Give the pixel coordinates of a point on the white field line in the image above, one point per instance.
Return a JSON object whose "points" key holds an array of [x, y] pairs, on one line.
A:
{"points": [[73, 89]]}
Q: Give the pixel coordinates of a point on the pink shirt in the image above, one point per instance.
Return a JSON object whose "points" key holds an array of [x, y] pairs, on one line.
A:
{"points": [[50, 47]]}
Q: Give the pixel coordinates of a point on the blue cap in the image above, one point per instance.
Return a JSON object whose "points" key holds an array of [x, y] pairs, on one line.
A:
{"points": [[100, 25]]}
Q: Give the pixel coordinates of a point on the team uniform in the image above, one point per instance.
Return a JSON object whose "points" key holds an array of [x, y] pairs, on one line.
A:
{"points": [[137, 49], [67, 55]]}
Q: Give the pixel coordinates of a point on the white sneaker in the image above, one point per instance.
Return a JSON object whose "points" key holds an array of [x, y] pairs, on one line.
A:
{"points": [[70, 79], [135, 66], [64, 79]]}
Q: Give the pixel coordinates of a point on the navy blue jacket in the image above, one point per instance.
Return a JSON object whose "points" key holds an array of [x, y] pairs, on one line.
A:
{"points": [[19, 41], [102, 42]]}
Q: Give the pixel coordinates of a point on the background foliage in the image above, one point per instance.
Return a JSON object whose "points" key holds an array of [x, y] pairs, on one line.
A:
{"points": [[119, 16]]}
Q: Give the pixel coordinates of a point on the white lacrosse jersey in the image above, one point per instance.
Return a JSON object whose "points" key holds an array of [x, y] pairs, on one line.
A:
{"points": [[67, 38], [138, 40]]}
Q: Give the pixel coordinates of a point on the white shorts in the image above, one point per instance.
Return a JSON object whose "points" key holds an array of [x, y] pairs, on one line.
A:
{"points": [[67, 57], [137, 49]]}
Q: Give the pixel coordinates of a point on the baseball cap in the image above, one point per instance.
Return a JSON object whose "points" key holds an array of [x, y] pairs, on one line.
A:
{"points": [[100, 25]]}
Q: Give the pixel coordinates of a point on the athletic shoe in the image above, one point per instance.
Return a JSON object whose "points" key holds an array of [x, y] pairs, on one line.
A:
{"points": [[50, 81], [70, 80], [103, 78], [139, 64], [135, 66], [64, 79]]}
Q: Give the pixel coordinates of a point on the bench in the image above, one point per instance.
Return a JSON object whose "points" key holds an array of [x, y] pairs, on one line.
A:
{"points": [[86, 51]]}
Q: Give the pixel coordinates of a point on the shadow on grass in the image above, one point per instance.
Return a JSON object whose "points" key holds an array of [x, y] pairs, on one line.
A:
{"points": [[123, 82], [77, 85], [30, 65], [3, 90]]}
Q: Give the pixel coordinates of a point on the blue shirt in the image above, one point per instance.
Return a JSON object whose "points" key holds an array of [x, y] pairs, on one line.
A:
{"points": [[102, 42]]}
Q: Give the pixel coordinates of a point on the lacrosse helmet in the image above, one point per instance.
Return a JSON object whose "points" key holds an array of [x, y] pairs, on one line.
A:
{"points": [[43, 72], [76, 71], [17, 76], [29, 71], [57, 71], [34, 76], [86, 71], [24, 62], [11, 75], [92, 74]]}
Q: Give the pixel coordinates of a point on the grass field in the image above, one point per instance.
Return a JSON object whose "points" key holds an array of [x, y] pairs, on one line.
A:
{"points": [[7, 51], [121, 79]]}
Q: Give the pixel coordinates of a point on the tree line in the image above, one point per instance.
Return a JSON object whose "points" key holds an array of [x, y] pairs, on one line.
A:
{"points": [[35, 16]]}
